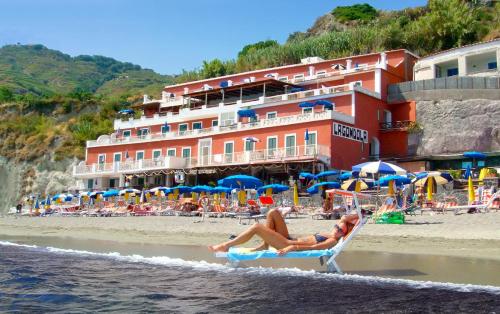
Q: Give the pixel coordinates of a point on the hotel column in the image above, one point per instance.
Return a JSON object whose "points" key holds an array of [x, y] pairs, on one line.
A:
{"points": [[122, 180]]}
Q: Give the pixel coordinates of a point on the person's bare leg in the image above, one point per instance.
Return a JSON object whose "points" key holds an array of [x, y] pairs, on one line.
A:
{"points": [[269, 236], [274, 221]]}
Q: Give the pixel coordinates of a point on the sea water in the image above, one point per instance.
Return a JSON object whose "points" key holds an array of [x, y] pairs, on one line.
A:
{"points": [[37, 278]]}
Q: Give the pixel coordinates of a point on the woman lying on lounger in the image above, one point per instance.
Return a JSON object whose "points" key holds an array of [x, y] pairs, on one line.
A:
{"points": [[275, 234]]}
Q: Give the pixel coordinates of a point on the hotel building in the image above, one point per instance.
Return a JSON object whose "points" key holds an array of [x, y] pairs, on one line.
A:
{"points": [[271, 123]]}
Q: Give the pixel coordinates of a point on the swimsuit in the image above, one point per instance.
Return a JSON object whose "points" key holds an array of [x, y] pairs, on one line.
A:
{"points": [[319, 238]]}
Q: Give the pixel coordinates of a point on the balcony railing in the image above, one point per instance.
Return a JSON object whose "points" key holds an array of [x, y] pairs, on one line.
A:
{"points": [[292, 119], [396, 125], [283, 154]]}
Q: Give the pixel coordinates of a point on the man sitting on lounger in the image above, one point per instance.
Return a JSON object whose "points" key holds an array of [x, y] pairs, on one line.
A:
{"points": [[275, 234]]}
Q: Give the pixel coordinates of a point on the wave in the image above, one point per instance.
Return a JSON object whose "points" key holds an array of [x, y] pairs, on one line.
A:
{"points": [[266, 271]]}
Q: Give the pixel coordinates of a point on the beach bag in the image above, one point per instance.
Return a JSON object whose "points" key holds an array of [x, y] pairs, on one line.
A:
{"points": [[397, 218]]}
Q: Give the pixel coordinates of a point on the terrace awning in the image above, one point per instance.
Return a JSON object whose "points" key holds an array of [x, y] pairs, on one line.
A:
{"points": [[246, 113]]}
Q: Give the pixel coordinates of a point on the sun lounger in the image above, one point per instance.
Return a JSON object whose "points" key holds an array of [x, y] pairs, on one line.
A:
{"points": [[236, 255], [481, 207]]}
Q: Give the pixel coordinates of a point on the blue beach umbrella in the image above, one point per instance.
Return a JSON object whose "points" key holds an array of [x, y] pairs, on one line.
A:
{"points": [[246, 113], [378, 167], [474, 155], [181, 188], [306, 104], [276, 188], [306, 175], [326, 174], [201, 188], [398, 180], [111, 193], [350, 185], [325, 185], [306, 135], [47, 200], [63, 197], [220, 189], [241, 181], [325, 103], [126, 111], [37, 204], [130, 191], [345, 175]]}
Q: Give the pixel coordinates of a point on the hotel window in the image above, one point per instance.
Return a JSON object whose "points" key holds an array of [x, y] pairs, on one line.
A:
{"points": [[165, 129], [142, 132], [452, 72], [249, 146], [215, 123], [117, 157], [183, 127], [228, 151], [290, 145], [171, 152], [283, 78], [227, 118], [492, 65], [186, 152], [126, 133], [320, 74], [298, 77], [307, 110], [156, 153], [139, 155], [312, 139], [271, 115], [272, 145], [197, 125]]}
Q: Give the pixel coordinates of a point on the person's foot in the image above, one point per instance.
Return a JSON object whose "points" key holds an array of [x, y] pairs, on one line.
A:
{"points": [[218, 248]]}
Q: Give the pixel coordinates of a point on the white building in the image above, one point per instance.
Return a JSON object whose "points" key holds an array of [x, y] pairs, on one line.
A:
{"points": [[479, 59]]}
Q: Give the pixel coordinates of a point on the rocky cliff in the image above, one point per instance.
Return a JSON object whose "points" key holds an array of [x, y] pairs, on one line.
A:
{"points": [[454, 126], [43, 177]]}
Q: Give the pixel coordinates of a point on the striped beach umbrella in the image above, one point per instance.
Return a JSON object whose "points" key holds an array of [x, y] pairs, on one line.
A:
{"points": [[440, 178], [354, 185], [377, 167]]}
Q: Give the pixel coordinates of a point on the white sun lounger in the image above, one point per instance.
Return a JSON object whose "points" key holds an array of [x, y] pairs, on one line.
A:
{"points": [[484, 206], [236, 255]]}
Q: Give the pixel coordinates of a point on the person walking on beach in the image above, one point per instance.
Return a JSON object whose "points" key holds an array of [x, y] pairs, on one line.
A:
{"points": [[19, 207], [275, 234]]}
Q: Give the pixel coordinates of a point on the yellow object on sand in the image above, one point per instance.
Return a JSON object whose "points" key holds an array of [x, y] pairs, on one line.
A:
{"points": [[470, 188], [176, 194], [194, 196], [430, 188], [295, 195], [171, 196], [242, 197], [137, 199], [391, 188], [269, 192], [126, 196], [223, 195], [216, 199]]}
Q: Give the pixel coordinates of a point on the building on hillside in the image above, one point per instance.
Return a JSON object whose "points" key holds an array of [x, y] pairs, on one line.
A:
{"points": [[479, 59], [271, 123]]}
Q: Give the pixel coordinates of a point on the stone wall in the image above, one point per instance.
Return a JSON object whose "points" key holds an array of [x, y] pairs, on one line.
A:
{"points": [[455, 126]]}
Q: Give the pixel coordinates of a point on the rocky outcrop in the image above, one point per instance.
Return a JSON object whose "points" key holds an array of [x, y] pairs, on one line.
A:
{"points": [[455, 126], [40, 178]]}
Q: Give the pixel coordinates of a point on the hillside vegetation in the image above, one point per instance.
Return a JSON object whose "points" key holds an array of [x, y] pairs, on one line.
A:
{"points": [[52, 102]]}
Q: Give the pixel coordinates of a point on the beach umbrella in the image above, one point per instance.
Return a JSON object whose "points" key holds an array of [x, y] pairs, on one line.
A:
{"points": [[129, 191], [181, 189], [316, 188], [201, 189], [398, 180], [246, 113], [306, 175], [470, 185], [126, 111], [273, 188], [326, 174], [306, 135], [220, 189], [241, 181], [440, 178], [143, 198], [111, 193], [296, 89], [377, 167], [354, 185], [345, 175], [325, 103], [63, 197], [47, 200], [474, 155], [37, 204], [251, 139], [306, 104]]}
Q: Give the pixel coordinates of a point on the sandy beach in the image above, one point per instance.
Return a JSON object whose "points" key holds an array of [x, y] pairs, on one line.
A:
{"points": [[466, 235]]}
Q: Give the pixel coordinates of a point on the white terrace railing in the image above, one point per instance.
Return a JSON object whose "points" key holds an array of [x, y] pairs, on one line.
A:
{"points": [[293, 153], [105, 140]]}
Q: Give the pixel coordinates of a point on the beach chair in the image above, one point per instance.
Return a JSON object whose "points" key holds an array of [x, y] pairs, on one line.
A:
{"points": [[478, 207], [236, 255], [249, 213]]}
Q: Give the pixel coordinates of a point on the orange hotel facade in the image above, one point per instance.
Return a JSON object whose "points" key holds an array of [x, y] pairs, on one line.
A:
{"points": [[271, 123]]}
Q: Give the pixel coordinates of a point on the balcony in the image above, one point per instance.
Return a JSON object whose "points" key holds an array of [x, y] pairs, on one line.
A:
{"points": [[187, 114], [284, 154], [105, 140], [397, 125]]}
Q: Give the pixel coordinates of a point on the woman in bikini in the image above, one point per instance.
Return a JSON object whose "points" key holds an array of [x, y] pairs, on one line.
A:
{"points": [[275, 234]]}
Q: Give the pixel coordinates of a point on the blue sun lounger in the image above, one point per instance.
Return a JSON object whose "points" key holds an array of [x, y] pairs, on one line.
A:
{"points": [[236, 255]]}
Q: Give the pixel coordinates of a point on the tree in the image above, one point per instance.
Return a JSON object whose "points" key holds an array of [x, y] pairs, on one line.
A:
{"points": [[5, 94], [358, 12]]}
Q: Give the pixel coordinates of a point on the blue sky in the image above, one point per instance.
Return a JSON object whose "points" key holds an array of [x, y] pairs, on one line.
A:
{"points": [[166, 36]]}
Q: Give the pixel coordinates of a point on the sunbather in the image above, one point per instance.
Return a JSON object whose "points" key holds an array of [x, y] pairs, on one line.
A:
{"points": [[275, 234]]}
